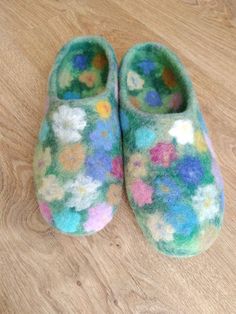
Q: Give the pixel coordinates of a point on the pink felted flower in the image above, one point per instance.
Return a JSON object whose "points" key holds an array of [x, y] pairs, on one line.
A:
{"points": [[142, 193], [163, 154], [99, 216], [176, 101], [117, 167], [45, 211]]}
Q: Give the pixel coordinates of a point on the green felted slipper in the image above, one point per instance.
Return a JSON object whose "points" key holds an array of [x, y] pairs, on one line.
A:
{"points": [[172, 178], [78, 164]]}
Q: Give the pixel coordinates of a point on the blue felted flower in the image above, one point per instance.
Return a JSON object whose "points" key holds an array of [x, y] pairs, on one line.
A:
{"points": [[202, 122], [80, 62], [147, 66], [153, 99], [71, 95], [98, 165], [124, 120], [190, 170], [43, 131], [102, 136], [182, 218], [67, 220], [167, 190], [144, 137]]}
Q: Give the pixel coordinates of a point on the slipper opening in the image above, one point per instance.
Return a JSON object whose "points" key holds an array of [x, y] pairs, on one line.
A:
{"points": [[154, 83], [83, 71]]}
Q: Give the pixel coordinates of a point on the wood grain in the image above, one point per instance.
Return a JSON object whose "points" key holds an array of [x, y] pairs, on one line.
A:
{"points": [[115, 271]]}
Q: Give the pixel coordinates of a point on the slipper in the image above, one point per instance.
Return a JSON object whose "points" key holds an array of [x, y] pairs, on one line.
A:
{"points": [[172, 179], [78, 165]]}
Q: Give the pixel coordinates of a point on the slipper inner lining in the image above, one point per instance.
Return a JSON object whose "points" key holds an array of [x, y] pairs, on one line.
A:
{"points": [[152, 82], [83, 72]]}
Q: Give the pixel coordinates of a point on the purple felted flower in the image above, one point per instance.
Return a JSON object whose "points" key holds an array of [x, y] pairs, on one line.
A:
{"points": [[80, 62], [153, 99], [167, 190], [209, 144], [147, 66], [103, 135], [217, 175], [190, 170], [98, 217], [98, 165]]}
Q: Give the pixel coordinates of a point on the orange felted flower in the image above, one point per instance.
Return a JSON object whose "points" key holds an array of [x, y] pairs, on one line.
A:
{"points": [[99, 61], [134, 101], [72, 157], [169, 78], [114, 194], [88, 78]]}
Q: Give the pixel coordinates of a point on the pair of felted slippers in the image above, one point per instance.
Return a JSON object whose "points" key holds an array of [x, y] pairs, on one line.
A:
{"points": [[172, 179]]}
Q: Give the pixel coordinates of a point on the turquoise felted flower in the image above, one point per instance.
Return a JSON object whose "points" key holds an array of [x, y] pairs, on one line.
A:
{"points": [[144, 137], [172, 179], [77, 161]]}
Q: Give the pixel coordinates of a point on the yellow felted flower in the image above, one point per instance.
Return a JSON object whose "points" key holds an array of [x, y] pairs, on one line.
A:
{"points": [[137, 165], [207, 237], [50, 189], [65, 78], [200, 142], [160, 230], [104, 109], [42, 160]]}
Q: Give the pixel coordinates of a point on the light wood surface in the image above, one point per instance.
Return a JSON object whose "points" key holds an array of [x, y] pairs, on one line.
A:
{"points": [[115, 271]]}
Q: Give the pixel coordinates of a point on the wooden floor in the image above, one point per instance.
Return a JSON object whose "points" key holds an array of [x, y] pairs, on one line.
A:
{"points": [[115, 271]]}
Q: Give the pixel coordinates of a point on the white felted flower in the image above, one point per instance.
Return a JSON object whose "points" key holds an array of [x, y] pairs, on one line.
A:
{"points": [[160, 230], [134, 81], [50, 189], [67, 124], [84, 191], [205, 202], [183, 131]]}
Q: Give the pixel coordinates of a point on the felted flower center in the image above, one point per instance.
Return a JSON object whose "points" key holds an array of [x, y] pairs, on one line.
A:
{"points": [[208, 202], [81, 190], [66, 124], [137, 163], [180, 218], [41, 163], [104, 133], [164, 189]]}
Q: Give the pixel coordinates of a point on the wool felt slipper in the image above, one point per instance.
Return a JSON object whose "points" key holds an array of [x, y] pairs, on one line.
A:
{"points": [[78, 165], [172, 179]]}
